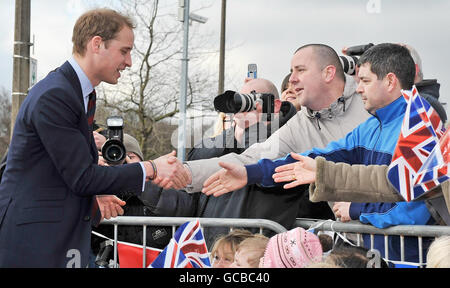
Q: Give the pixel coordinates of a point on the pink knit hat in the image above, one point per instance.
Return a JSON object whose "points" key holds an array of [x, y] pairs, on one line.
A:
{"points": [[296, 248]]}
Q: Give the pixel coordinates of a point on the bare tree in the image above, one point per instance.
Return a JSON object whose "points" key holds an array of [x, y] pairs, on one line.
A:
{"points": [[148, 92], [5, 120]]}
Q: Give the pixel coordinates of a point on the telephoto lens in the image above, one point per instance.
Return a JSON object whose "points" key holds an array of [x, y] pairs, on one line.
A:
{"points": [[233, 102], [349, 64]]}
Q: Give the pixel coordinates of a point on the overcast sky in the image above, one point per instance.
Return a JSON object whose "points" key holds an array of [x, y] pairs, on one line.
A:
{"points": [[265, 32]]}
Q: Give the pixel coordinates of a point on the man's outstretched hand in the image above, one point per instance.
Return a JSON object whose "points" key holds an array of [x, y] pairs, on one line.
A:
{"points": [[230, 178], [110, 206], [171, 172], [301, 172]]}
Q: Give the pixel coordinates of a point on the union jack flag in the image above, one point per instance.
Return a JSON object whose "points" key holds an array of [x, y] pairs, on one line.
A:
{"points": [[187, 249], [419, 164]]}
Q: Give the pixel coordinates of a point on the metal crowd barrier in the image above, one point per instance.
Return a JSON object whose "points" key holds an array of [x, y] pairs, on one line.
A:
{"points": [[356, 227], [145, 221]]}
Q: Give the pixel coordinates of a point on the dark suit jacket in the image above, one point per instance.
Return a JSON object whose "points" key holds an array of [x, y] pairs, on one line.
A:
{"points": [[51, 177]]}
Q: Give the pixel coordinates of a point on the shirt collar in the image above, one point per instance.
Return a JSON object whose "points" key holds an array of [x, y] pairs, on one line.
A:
{"points": [[86, 85]]}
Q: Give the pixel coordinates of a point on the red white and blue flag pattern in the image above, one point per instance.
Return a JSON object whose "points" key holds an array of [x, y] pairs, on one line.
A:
{"points": [[419, 162], [187, 249]]}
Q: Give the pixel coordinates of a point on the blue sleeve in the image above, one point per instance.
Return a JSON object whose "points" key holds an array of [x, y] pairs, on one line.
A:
{"points": [[261, 172], [342, 150], [382, 215]]}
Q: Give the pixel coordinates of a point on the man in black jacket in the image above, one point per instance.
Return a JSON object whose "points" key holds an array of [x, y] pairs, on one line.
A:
{"points": [[428, 88]]}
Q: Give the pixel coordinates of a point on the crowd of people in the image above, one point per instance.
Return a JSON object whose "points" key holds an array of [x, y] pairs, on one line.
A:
{"points": [[326, 124], [299, 248]]}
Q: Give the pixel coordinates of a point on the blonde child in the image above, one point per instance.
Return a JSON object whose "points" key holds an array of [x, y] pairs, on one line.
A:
{"points": [[438, 255], [224, 248], [250, 251]]}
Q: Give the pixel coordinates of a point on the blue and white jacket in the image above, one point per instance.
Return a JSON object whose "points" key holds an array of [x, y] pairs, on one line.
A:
{"points": [[372, 142]]}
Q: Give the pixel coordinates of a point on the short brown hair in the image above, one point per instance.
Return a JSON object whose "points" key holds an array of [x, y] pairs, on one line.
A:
{"points": [[325, 55], [103, 22]]}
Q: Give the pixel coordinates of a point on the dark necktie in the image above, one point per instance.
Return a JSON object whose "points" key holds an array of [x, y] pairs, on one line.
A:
{"points": [[95, 212], [91, 109]]}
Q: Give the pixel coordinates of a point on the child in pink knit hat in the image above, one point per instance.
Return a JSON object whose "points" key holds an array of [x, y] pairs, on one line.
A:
{"points": [[296, 248]]}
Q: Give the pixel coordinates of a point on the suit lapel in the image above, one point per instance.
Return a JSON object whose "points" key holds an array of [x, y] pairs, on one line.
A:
{"points": [[74, 81]]}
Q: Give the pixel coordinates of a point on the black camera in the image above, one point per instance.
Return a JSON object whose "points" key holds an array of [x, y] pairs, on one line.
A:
{"points": [[234, 102], [350, 60], [358, 50], [113, 151], [105, 253]]}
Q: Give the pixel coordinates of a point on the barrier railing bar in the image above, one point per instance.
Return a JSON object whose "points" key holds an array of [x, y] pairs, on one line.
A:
{"points": [[386, 247], [205, 222], [372, 240], [115, 245], [144, 244], [419, 239], [177, 221], [402, 248], [358, 227]]}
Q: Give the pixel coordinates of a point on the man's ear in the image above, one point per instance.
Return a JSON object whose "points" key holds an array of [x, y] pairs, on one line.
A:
{"points": [[391, 81], [277, 106], [95, 44], [328, 73]]}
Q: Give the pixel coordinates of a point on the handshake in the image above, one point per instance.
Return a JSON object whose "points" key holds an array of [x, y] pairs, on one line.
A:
{"points": [[168, 171]]}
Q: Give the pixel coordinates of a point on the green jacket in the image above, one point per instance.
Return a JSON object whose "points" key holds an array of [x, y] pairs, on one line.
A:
{"points": [[357, 183]]}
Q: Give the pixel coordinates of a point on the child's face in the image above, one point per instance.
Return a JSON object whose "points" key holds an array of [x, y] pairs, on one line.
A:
{"points": [[224, 257], [245, 259]]}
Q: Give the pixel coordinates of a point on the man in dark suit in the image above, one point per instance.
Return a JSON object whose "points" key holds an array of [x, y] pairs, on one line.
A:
{"points": [[47, 193]]}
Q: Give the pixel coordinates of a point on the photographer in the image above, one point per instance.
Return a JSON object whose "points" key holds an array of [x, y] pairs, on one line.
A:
{"points": [[251, 201], [157, 237]]}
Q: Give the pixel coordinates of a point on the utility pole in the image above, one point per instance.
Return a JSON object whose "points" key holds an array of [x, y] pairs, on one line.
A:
{"points": [[184, 5], [21, 62], [185, 17], [222, 47]]}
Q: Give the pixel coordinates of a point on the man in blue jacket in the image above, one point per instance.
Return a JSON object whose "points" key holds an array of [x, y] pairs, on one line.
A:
{"points": [[385, 70]]}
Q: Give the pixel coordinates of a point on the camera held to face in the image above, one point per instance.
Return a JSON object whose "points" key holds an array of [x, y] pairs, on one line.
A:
{"points": [[113, 151], [350, 60], [234, 102]]}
